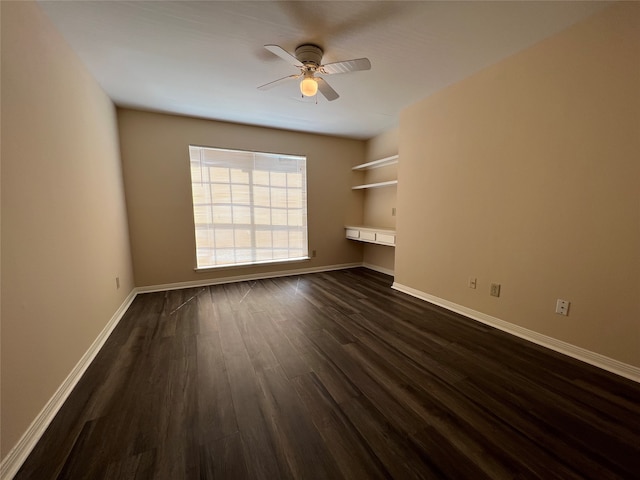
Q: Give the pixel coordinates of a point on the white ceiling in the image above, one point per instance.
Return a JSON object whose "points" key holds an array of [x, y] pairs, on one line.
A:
{"points": [[205, 59]]}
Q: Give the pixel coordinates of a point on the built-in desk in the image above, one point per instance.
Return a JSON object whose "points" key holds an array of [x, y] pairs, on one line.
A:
{"points": [[361, 233]]}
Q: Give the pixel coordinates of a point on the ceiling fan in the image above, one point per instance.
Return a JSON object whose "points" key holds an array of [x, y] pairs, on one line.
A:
{"points": [[308, 58]]}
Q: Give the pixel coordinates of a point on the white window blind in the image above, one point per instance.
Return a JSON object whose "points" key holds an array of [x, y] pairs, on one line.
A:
{"points": [[248, 207]]}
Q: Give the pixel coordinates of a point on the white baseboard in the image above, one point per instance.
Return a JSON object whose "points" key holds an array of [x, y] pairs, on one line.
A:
{"points": [[19, 453], [376, 268], [609, 364], [243, 278]]}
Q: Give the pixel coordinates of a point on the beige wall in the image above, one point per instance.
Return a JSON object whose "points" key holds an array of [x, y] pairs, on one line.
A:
{"points": [[158, 188], [527, 174], [379, 202], [64, 230]]}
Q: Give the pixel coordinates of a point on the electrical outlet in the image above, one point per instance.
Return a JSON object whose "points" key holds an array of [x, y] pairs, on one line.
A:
{"points": [[393, 212], [472, 282], [117, 283], [562, 307], [495, 289]]}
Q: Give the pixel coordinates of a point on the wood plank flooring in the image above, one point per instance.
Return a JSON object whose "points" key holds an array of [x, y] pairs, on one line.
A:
{"points": [[328, 376]]}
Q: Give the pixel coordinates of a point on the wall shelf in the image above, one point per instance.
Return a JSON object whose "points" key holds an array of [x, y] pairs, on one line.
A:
{"points": [[376, 185], [383, 162]]}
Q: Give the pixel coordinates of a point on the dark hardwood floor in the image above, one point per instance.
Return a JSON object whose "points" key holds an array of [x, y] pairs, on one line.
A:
{"points": [[328, 376]]}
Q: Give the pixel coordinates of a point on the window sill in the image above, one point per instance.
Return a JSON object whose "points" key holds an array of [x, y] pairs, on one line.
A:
{"points": [[252, 264]]}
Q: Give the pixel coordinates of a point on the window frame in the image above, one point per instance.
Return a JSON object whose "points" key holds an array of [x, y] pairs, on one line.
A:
{"points": [[254, 227]]}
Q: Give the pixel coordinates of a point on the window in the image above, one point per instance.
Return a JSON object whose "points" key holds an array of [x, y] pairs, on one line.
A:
{"points": [[248, 207]]}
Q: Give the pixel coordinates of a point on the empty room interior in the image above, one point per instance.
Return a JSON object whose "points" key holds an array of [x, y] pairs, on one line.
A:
{"points": [[425, 266]]}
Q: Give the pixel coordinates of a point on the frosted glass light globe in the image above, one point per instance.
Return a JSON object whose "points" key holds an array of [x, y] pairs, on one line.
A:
{"points": [[309, 86]]}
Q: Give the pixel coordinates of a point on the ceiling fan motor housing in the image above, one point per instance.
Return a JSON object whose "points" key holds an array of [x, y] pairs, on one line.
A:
{"points": [[309, 53]]}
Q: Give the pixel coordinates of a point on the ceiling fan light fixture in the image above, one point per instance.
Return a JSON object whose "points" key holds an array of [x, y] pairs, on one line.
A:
{"points": [[309, 86], [308, 59]]}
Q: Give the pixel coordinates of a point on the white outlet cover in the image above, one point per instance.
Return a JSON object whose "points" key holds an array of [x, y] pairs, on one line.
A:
{"points": [[562, 307]]}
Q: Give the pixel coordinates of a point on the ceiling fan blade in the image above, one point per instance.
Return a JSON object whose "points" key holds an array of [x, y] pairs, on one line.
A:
{"points": [[283, 54], [347, 66], [326, 90], [269, 85]]}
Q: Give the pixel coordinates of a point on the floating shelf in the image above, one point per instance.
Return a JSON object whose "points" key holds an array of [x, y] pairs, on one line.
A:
{"points": [[383, 162], [376, 185]]}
